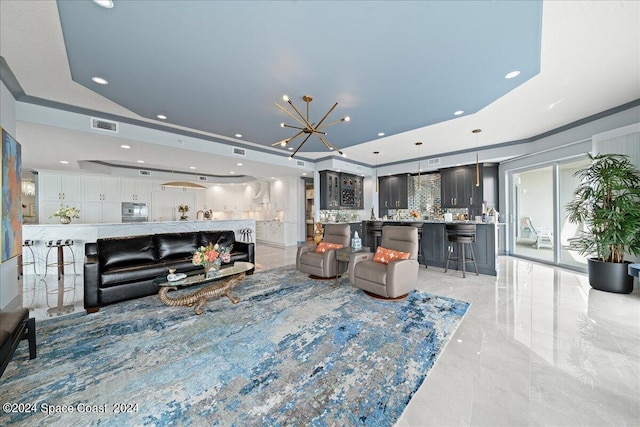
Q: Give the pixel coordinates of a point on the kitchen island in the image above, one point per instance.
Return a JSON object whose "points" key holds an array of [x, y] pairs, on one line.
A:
{"points": [[434, 243], [85, 233]]}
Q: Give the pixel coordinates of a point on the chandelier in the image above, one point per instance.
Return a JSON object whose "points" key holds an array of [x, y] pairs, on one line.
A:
{"points": [[305, 127], [28, 188]]}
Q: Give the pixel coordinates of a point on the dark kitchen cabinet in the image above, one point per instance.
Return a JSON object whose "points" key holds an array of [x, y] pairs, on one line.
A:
{"points": [[456, 186], [350, 191], [459, 189], [340, 190], [393, 192], [329, 190], [435, 246]]}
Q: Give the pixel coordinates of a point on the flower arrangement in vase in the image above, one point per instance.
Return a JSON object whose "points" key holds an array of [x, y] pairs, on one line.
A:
{"points": [[65, 213], [183, 209], [212, 256]]}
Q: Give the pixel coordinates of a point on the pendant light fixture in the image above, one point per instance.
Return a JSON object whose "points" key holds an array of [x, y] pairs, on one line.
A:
{"points": [[183, 184], [419, 144], [375, 167], [306, 127], [476, 132]]}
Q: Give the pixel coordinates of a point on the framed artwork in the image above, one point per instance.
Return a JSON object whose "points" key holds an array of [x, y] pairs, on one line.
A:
{"points": [[11, 205]]}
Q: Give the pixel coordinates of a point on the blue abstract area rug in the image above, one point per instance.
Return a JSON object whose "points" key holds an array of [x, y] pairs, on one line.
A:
{"points": [[294, 351]]}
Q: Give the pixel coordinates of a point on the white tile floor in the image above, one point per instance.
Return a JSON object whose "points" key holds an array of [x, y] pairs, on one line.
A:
{"points": [[538, 347]]}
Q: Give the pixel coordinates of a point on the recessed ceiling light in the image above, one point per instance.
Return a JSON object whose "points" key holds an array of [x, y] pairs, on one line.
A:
{"points": [[231, 172], [161, 117], [100, 80], [64, 162], [107, 4], [238, 135], [457, 113], [290, 148], [238, 164], [192, 167], [304, 174], [337, 170], [380, 133], [140, 161], [126, 147], [512, 74]]}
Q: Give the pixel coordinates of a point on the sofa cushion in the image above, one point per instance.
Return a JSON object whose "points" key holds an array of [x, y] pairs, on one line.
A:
{"points": [[371, 271], [9, 320], [182, 265], [133, 273], [122, 251], [313, 259], [176, 245], [224, 238]]}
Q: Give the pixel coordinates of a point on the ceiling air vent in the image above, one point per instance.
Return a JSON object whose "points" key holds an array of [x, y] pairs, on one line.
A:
{"points": [[202, 178], [105, 125], [300, 163], [239, 151], [433, 161], [143, 172]]}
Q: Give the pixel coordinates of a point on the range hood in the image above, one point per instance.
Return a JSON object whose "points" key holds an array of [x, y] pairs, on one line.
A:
{"points": [[264, 192]]}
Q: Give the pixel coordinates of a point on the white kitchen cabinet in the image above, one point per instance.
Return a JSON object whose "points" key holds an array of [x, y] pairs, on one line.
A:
{"points": [[57, 190], [164, 205], [101, 212], [62, 188], [102, 189], [280, 195], [136, 190], [276, 233]]}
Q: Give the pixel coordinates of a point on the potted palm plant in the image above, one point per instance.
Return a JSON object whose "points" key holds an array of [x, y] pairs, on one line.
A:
{"points": [[607, 203]]}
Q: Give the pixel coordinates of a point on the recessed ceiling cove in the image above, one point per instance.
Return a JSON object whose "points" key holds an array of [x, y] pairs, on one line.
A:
{"points": [[217, 66]]}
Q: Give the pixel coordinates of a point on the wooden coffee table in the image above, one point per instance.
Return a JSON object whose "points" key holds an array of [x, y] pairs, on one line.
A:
{"points": [[222, 282]]}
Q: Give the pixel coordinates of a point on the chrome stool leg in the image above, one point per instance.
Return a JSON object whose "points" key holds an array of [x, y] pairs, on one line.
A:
{"points": [[21, 262], [60, 262]]}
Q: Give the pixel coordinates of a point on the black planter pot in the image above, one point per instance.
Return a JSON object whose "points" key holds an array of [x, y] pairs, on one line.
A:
{"points": [[610, 276]]}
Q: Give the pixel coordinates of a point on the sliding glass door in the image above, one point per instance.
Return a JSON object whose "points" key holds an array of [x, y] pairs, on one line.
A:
{"points": [[534, 206], [568, 232], [541, 230]]}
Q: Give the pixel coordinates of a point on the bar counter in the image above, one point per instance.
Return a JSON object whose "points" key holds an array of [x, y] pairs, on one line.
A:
{"points": [[434, 243]]}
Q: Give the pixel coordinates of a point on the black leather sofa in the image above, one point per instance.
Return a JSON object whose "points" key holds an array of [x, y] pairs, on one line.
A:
{"points": [[15, 326], [122, 268]]}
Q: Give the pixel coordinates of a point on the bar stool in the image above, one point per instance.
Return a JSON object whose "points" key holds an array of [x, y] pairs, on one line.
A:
{"points": [[60, 263], [29, 245], [245, 235], [462, 234], [374, 234]]}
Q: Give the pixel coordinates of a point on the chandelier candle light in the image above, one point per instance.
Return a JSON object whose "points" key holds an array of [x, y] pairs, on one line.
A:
{"points": [[306, 127]]}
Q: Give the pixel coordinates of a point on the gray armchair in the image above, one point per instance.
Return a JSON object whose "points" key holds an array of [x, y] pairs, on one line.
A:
{"points": [[397, 278], [323, 265]]}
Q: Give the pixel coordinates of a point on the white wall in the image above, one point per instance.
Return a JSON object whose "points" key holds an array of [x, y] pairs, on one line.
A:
{"points": [[7, 110]]}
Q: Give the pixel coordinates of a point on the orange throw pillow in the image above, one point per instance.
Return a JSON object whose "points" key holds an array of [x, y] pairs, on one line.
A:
{"points": [[384, 255], [326, 246]]}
